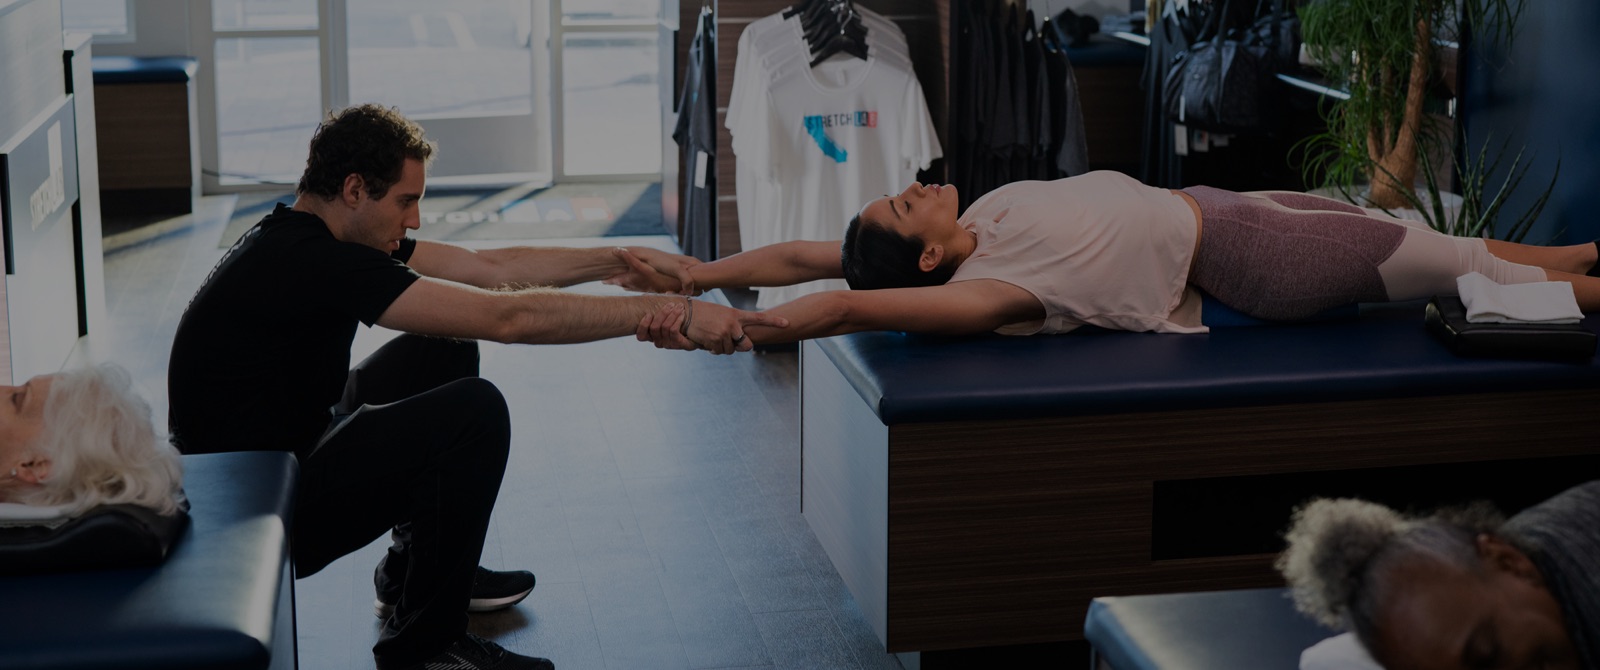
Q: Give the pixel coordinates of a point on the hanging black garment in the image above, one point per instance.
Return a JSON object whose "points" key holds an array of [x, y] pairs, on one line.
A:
{"points": [[1056, 72], [1162, 166], [696, 135], [996, 103], [1040, 112], [1019, 164], [1072, 158], [963, 120], [1007, 108]]}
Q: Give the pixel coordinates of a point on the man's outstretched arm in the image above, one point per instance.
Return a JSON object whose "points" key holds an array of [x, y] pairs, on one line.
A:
{"points": [[961, 308], [525, 266], [541, 316]]}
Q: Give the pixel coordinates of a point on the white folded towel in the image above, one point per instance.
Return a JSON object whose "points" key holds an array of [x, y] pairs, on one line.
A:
{"points": [[16, 515], [1340, 652], [1547, 302]]}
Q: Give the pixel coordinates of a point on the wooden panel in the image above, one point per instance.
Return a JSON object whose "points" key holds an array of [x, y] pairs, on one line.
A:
{"points": [[143, 130], [1000, 533], [726, 161], [728, 33]]}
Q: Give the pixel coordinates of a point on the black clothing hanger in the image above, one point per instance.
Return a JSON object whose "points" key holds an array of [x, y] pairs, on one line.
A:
{"points": [[837, 14], [799, 7], [840, 31]]}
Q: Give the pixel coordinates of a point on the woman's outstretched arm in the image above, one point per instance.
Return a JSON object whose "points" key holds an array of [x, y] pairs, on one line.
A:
{"points": [[960, 308], [779, 264]]}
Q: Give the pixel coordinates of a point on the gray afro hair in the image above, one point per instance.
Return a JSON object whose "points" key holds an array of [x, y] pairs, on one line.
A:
{"points": [[1342, 552], [1330, 546]]}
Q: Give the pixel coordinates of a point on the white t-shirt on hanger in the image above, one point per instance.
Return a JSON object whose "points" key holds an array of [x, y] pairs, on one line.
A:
{"points": [[780, 199], [825, 141], [777, 42]]}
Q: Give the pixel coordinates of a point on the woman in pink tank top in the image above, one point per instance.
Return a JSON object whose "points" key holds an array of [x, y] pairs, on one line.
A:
{"points": [[1104, 249]]}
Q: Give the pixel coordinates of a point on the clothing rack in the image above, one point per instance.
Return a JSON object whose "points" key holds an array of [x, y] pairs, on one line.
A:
{"points": [[927, 28]]}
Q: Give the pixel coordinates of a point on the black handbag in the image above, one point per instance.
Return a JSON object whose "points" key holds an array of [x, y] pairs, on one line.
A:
{"points": [[1221, 83], [1447, 319]]}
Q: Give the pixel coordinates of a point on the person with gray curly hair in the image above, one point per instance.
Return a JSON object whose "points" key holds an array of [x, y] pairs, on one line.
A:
{"points": [[84, 438], [1459, 588]]}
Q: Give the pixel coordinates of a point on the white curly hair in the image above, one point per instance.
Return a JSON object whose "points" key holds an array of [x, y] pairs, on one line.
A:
{"points": [[102, 446]]}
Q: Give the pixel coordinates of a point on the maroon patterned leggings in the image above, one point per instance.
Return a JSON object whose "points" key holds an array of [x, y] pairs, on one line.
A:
{"points": [[1280, 255]]}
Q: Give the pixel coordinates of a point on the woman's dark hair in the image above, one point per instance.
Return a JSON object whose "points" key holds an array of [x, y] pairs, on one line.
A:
{"points": [[875, 257], [369, 140]]}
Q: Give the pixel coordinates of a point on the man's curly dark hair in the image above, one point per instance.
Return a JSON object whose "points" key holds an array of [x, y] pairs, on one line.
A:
{"points": [[369, 140]]}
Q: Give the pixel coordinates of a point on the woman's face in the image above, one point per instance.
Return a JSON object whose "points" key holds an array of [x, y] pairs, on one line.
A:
{"points": [[919, 212], [1460, 619], [21, 420]]}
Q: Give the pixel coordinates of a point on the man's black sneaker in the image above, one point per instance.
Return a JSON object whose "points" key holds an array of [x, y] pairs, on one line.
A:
{"points": [[491, 591], [475, 653]]}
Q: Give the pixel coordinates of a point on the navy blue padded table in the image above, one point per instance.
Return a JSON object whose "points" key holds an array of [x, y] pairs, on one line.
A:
{"points": [[143, 70], [978, 492], [1216, 630], [223, 599]]}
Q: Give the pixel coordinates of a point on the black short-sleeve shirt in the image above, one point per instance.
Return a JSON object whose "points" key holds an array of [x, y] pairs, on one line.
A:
{"points": [[263, 349]]}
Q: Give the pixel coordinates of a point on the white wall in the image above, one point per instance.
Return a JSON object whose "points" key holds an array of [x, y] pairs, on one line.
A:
{"points": [[160, 28]]}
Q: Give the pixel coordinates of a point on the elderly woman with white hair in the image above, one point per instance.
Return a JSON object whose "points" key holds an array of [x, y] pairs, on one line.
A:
{"points": [[83, 438], [1461, 588]]}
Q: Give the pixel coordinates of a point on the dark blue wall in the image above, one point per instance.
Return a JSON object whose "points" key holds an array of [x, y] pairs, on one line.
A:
{"points": [[1545, 93]]}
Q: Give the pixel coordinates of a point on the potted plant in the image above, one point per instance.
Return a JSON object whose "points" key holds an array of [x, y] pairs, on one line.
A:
{"points": [[1383, 52]]}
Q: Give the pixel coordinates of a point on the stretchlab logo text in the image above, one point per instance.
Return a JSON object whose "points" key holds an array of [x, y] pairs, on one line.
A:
{"points": [[817, 126]]}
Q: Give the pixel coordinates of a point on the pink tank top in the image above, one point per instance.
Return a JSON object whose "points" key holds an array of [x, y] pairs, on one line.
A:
{"points": [[1100, 248]]}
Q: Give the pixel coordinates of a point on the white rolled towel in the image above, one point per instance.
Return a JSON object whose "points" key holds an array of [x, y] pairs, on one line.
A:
{"points": [[1545, 302], [13, 515], [1340, 652]]}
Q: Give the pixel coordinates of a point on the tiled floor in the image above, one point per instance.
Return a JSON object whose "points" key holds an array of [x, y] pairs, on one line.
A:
{"points": [[655, 494]]}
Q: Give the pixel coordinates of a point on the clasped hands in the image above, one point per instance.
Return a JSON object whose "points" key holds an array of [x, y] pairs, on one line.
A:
{"points": [[690, 324]]}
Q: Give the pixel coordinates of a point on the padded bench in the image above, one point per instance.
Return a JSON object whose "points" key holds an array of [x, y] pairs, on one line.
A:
{"points": [[148, 132], [224, 598], [980, 492], [1218, 630]]}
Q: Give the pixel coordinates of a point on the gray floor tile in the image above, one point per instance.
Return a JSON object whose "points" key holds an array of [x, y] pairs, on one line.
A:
{"points": [[805, 640]]}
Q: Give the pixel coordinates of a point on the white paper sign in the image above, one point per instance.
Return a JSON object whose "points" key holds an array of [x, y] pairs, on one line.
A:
{"points": [[700, 160]]}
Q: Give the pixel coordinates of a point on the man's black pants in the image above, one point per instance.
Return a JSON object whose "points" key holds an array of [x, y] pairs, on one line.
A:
{"points": [[418, 447]]}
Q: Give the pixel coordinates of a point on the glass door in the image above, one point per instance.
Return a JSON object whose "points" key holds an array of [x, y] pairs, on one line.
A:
{"points": [[264, 91], [514, 91], [467, 70], [607, 73]]}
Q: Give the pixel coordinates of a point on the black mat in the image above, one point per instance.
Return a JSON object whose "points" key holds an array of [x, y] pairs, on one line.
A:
{"points": [[519, 213]]}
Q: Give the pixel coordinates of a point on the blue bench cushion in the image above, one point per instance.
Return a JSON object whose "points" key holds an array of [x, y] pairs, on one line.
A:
{"points": [[1218, 630], [1386, 352], [214, 603], [126, 70]]}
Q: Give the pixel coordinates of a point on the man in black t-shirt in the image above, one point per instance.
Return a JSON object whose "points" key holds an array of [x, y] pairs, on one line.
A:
{"points": [[411, 441]]}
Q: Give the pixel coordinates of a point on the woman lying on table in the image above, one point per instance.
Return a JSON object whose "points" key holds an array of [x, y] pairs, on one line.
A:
{"points": [[83, 438], [1457, 589], [1103, 249]]}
